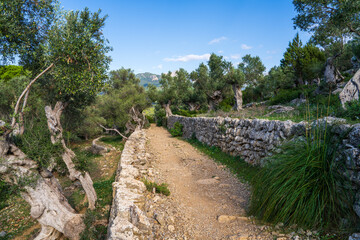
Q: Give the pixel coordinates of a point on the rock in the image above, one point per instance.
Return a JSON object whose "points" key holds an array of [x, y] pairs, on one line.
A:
{"points": [[279, 109], [336, 91], [298, 101], [2, 234], [2, 123], [355, 236], [351, 90], [171, 228], [226, 218]]}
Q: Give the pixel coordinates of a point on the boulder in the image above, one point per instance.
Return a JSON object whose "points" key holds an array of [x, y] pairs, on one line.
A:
{"points": [[351, 90]]}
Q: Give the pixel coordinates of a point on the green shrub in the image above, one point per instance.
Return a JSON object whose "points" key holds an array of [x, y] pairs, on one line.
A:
{"points": [[82, 160], [177, 130], [36, 143], [5, 190], [160, 116], [185, 113], [285, 96], [227, 104], [303, 185], [352, 110], [92, 231], [162, 188]]}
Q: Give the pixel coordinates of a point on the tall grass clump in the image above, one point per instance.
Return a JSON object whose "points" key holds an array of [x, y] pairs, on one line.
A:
{"points": [[304, 184]]}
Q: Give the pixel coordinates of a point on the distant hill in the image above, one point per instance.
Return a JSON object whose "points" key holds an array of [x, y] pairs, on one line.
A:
{"points": [[148, 78]]}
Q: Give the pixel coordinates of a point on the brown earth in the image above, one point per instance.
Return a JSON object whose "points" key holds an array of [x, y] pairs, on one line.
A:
{"points": [[206, 201]]}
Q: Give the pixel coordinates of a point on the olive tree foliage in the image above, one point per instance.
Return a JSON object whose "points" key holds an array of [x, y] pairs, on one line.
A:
{"points": [[328, 19], [77, 48], [253, 70], [176, 90], [23, 29], [211, 81], [123, 101]]}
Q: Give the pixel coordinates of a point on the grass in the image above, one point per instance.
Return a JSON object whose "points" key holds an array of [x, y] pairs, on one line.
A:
{"points": [[304, 185], [15, 218], [104, 191], [159, 188], [243, 170], [115, 141]]}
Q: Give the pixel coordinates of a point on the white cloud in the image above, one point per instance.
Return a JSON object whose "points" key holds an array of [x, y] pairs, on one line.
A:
{"points": [[236, 56], [160, 66], [221, 51], [271, 52], [217, 40], [245, 47], [188, 58]]}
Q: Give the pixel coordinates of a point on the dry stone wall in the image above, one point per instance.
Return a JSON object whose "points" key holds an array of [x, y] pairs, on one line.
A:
{"points": [[253, 139], [127, 219]]}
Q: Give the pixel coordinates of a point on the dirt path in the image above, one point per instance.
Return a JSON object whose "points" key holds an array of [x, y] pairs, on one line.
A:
{"points": [[201, 191]]}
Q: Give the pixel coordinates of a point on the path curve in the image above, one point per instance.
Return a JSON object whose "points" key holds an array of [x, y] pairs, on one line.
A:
{"points": [[201, 191]]}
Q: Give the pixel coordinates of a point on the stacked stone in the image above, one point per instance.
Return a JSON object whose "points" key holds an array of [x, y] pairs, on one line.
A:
{"points": [[254, 139], [127, 219]]}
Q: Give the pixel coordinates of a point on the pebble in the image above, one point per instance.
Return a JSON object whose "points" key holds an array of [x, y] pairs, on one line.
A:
{"points": [[171, 228]]}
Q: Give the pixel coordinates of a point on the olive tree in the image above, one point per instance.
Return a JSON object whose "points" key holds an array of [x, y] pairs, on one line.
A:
{"points": [[75, 52]]}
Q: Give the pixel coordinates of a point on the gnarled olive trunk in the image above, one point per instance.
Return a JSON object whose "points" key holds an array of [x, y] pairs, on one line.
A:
{"points": [[215, 100], [332, 74], [53, 119], [43, 192], [238, 97], [168, 111]]}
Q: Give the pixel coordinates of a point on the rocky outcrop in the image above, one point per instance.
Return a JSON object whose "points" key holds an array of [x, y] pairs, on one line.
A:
{"points": [[127, 219], [351, 90]]}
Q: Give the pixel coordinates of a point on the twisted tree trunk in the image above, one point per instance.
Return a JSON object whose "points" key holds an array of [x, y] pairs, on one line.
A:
{"points": [[168, 111], [43, 192], [238, 97], [53, 119]]}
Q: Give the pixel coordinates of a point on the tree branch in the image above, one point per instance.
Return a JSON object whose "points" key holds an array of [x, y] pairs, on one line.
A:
{"points": [[113, 129], [24, 92]]}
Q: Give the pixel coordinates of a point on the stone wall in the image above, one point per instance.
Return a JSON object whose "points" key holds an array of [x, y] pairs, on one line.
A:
{"points": [[127, 218], [253, 139]]}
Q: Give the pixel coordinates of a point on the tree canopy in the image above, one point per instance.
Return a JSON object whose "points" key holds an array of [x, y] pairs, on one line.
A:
{"points": [[23, 28], [328, 19]]}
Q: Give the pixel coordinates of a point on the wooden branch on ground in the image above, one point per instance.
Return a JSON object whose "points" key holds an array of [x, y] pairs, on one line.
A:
{"points": [[113, 129]]}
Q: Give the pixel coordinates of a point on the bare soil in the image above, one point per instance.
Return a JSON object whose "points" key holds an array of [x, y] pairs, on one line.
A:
{"points": [[206, 201]]}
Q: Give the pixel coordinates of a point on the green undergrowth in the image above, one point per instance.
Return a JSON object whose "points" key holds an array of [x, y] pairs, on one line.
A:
{"points": [[159, 188], [115, 141], [84, 160], [177, 130], [93, 231], [243, 170], [104, 191]]}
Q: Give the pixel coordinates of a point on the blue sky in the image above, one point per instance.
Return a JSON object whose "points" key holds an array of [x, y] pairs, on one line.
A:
{"points": [[165, 35]]}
